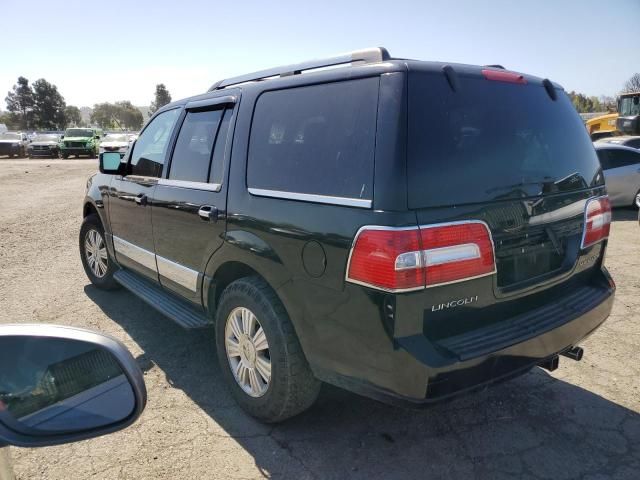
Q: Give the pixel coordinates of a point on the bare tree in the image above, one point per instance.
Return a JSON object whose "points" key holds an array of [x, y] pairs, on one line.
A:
{"points": [[633, 84]]}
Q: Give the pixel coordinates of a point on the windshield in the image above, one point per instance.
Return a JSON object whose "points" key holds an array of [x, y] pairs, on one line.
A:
{"points": [[115, 138], [9, 136], [493, 140], [630, 106], [78, 132], [46, 138]]}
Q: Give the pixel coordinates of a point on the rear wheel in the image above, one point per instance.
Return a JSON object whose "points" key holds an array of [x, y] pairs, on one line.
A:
{"points": [[259, 353], [637, 200], [97, 264], [65, 155]]}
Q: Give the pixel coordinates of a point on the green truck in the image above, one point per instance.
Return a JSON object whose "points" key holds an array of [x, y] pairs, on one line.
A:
{"points": [[80, 141]]}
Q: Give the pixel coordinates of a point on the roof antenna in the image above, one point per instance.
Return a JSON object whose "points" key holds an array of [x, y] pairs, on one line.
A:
{"points": [[452, 77]]}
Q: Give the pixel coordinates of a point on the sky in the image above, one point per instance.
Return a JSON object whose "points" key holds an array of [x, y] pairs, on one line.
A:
{"points": [[109, 51]]}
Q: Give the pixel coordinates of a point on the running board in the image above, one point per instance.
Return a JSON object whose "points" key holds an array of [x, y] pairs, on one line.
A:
{"points": [[177, 310]]}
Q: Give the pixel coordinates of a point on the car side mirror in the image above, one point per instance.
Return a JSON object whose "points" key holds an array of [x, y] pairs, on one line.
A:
{"points": [[61, 384], [61, 137], [110, 163], [97, 137]]}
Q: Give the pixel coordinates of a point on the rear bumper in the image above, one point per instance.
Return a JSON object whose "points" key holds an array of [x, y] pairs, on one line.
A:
{"points": [[439, 370]]}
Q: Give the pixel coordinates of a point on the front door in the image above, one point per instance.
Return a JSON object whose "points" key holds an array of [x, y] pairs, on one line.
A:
{"points": [[189, 206], [130, 197]]}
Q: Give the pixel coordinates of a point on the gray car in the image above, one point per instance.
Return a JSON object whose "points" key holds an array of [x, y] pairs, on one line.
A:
{"points": [[623, 140], [621, 166]]}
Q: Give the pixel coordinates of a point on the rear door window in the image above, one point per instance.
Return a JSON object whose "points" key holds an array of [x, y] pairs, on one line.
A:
{"points": [[491, 140], [621, 158], [317, 140], [191, 158]]}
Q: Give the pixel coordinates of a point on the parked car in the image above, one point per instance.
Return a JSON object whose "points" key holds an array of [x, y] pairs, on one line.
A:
{"points": [[80, 141], [115, 142], [469, 251], [44, 145], [623, 140], [61, 384], [13, 144], [621, 166]]}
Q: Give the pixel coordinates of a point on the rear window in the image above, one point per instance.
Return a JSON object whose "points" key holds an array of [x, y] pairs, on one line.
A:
{"points": [[317, 140], [491, 140]]}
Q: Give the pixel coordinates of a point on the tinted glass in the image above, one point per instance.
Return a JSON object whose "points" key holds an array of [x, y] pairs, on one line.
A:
{"points": [[635, 143], [318, 139], [151, 148], [490, 140], [192, 154], [217, 163], [603, 156], [622, 158]]}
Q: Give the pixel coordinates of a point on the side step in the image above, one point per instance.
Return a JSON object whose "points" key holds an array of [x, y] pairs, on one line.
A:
{"points": [[177, 310]]}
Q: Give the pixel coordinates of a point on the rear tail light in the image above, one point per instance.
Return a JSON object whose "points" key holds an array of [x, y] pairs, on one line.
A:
{"points": [[597, 221], [504, 76], [409, 259]]}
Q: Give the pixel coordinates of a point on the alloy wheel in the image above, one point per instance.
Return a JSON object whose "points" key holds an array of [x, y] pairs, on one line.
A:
{"points": [[95, 251], [248, 351]]}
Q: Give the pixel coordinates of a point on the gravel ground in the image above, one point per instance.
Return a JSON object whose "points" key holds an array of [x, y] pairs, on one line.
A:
{"points": [[582, 421]]}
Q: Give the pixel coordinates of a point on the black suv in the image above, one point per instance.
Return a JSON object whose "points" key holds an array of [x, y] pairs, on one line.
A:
{"points": [[407, 230]]}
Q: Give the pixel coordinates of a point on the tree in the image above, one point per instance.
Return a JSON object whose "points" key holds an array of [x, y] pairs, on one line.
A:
{"points": [[48, 106], [117, 115], [20, 102], [633, 84], [72, 116], [162, 98], [584, 104]]}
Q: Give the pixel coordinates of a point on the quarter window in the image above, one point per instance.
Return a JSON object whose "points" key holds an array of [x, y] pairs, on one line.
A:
{"points": [[316, 140], [150, 149], [192, 155]]}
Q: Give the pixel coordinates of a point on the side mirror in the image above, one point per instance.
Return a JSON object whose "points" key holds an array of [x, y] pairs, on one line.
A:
{"points": [[97, 137], [61, 137], [110, 164], [61, 385]]}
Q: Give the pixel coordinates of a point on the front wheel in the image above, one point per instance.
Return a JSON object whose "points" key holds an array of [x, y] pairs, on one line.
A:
{"points": [[259, 353], [637, 200], [97, 264], [65, 155]]}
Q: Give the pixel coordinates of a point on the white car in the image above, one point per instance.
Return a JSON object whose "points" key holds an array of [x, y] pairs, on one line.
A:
{"points": [[115, 142]]}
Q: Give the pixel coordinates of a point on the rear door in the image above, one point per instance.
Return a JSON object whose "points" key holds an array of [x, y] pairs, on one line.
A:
{"points": [[190, 203], [500, 149]]}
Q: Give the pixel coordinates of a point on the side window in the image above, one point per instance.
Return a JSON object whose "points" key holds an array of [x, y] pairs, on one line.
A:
{"points": [[622, 158], [603, 156], [192, 155], [217, 163], [635, 143], [318, 139], [150, 149]]}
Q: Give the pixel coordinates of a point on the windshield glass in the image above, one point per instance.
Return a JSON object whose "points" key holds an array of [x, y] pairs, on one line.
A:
{"points": [[493, 140], [9, 136], [46, 138], [630, 106], [114, 137], [78, 132]]}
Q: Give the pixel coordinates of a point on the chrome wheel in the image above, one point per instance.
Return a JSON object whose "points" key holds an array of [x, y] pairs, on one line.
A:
{"points": [[638, 200], [247, 351], [95, 251]]}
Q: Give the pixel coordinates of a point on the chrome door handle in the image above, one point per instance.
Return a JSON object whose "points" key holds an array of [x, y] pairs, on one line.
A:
{"points": [[208, 213], [141, 199]]}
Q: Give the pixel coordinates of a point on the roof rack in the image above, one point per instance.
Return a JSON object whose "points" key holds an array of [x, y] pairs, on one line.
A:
{"points": [[368, 55]]}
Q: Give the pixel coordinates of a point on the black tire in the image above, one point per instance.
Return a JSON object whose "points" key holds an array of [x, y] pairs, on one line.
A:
{"points": [[90, 224], [292, 387], [65, 155], [30, 157], [93, 154]]}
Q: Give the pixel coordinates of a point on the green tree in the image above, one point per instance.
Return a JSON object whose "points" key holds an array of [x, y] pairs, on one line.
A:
{"points": [[11, 120], [48, 106], [584, 104], [163, 97], [129, 116], [20, 102], [72, 116], [117, 115]]}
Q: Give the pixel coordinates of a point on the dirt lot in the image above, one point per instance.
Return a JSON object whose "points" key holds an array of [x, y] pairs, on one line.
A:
{"points": [[582, 421]]}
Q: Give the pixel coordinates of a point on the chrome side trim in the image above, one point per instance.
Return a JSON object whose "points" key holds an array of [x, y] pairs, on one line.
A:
{"points": [[211, 187], [177, 273], [135, 253], [310, 197]]}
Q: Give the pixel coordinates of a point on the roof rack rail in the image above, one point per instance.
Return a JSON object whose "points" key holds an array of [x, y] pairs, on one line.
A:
{"points": [[368, 55], [495, 66]]}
